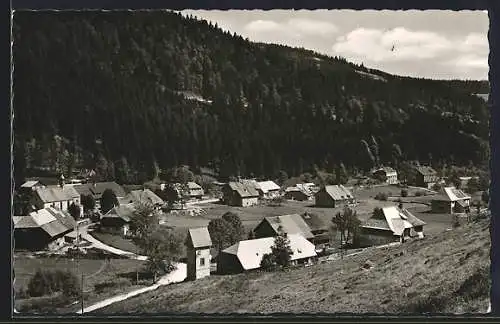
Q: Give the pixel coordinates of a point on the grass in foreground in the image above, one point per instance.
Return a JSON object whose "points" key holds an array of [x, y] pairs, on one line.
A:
{"points": [[448, 272], [116, 241]]}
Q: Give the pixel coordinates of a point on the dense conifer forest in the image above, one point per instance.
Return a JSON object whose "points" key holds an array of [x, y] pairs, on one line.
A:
{"points": [[135, 93]]}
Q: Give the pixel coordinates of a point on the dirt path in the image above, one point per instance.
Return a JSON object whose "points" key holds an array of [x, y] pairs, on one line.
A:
{"points": [[177, 275]]}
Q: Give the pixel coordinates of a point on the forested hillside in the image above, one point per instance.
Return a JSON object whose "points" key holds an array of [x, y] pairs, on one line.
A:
{"points": [[135, 93]]}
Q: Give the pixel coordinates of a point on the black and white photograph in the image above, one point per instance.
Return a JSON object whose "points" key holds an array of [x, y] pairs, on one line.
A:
{"points": [[251, 162]]}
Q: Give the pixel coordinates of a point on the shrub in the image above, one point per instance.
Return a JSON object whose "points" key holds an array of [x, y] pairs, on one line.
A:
{"points": [[419, 193], [46, 282], [404, 193], [381, 196], [268, 263], [116, 283], [45, 305]]}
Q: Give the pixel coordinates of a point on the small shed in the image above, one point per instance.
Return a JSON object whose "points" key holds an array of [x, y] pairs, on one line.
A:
{"points": [[198, 244]]}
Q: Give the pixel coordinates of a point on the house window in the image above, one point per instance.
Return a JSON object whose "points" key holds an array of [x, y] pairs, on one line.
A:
{"points": [[202, 261]]}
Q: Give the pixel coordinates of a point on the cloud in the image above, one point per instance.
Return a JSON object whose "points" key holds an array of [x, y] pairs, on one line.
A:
{"points": [[397, 44], [470, 61], [296, 27]]}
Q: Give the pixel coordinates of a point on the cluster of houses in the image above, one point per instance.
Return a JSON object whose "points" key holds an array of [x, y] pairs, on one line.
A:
{"points": [[308, 236]]}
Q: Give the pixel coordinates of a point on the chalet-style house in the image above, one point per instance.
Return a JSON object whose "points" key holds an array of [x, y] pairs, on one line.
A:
{"points": [[195, 190], [289, 224], [42, 229], [117, 220], [96, 190], [268, 189], [240, 194], [198, 244], [30, 186], [247, 255], [450, 201], [425, 176], [143, 196], [333, 196], [393, 224], [386, 174]]}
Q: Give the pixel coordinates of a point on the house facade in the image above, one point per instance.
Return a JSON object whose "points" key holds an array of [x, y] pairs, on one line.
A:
{"points": [[52, 196], [198, 245], [425, 176], [294, 193], [394, 224], [333, 196], [240, 194], [247, 255], [387, 175], [96, 189]]}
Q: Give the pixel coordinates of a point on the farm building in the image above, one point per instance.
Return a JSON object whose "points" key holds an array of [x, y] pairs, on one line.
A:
{"points": [[268, 189], [450, 201], [42, 229], [247, 255], [392, 224], [425, 176], [240, 194], [294, 193], [386, 174], [318, 228], [333, 196], [198, 244], [117, 220], [144, 196], [290, 224]]}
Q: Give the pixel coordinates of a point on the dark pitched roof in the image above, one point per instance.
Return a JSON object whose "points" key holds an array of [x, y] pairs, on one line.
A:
{"points": [[314, 222], [52, 194], [125, 212], [338, 192], [291, 224], [425, 170], [145, 195], [244, 190]]}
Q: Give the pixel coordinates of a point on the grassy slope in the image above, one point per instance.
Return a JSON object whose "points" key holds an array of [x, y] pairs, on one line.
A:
{"points": [[452, 268]]}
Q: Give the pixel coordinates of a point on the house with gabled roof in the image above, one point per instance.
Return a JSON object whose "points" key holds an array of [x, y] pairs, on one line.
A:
{"points": [[392, 224], [240, 194], [289, 224], [425, 176], [334, 196], [117, 220], [386, 174], [318, 228], [451, 200], [42, 229], [96, 189], [53, 196], [195, 190], [247, 255], [268, 189], [144, 196], [198, 245]]}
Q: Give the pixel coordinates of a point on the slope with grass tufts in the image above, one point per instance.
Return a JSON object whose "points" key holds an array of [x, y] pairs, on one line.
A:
{"points": [[447, 272]]}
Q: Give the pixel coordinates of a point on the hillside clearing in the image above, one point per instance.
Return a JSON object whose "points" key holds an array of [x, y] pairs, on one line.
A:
{"points": [[448, 272]]}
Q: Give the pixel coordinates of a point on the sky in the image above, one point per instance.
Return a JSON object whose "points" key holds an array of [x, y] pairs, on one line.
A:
{"points": [[429, 44]]}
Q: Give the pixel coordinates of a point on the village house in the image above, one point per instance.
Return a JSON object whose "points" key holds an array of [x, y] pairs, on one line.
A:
{"points": [[425, 176], [117, 220], [392, 224], [298, 194], [195, 190], [451, 200], [54, 196], [268, 189], [42, 229], [333, 196], [240, 194], [387, 175], [247, 255], [30, 186], [143, 196], [289, 224], [319, 229], [96, 189], [198, 245]]}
